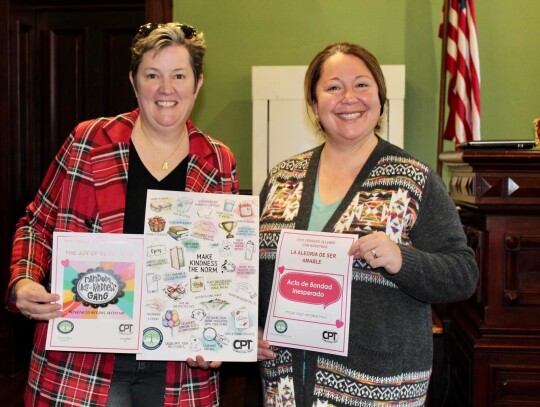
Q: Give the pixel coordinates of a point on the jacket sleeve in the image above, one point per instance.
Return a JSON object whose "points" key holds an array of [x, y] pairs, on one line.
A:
{"points": [[31, 253], [211, 160], [439, 267], [231, 171]]}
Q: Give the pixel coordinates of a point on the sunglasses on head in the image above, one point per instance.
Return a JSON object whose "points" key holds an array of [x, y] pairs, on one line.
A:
{"points": [[189, 31]]}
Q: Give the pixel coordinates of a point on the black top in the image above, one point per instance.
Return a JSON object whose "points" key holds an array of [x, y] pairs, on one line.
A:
{"points": [[139, 181]]}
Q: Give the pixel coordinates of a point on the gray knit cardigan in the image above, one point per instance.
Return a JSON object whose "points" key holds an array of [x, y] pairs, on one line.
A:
{"points": [[390, 344]]}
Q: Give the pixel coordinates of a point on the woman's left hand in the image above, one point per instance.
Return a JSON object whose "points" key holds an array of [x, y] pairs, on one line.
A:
{"points": [[378, 250], [200, 363]]}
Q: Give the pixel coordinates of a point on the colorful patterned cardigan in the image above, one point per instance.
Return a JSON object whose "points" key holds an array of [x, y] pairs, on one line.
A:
{"points": [[390, 346]]}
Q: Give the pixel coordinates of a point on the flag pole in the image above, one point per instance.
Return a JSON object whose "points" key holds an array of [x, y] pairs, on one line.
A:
{"points": [[442, 84]]}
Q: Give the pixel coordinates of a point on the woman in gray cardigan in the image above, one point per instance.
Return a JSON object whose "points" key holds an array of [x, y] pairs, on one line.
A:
{"points": [[411, 250]]}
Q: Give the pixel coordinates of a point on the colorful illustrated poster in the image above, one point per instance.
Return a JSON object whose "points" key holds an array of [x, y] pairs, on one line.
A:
{"points": [[97, 276], [310, 300], [200, 277]]}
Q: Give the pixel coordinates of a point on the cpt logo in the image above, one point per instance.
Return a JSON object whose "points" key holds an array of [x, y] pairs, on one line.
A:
{"points": [[330, 336], [125, 329], [243, 345]]}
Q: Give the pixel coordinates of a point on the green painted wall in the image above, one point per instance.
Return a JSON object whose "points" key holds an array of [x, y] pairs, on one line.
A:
{"points": [[254, 32]]}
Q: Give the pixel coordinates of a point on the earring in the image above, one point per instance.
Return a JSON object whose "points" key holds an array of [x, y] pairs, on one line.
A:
{"points": [[319, 126]]}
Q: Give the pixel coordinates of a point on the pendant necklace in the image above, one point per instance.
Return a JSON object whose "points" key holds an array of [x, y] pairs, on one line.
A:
{"points": [[165, 162]]}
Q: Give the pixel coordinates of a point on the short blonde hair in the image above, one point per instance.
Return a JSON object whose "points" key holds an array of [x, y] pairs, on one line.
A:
{"points": [[154, 37]]}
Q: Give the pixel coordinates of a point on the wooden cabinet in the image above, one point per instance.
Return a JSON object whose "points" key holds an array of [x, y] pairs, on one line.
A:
{"points": [[495, 336]]}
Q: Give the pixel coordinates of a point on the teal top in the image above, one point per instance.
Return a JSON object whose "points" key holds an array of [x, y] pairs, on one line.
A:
{"points": [[320, 213]]}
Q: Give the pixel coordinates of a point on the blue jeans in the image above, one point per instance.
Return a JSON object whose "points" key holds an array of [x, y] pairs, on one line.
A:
{"points": [[137, 383]]}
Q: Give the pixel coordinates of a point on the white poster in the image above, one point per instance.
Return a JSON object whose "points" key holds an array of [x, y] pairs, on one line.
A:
{"points": [[98, 278], [311, 292], [201, 264]]}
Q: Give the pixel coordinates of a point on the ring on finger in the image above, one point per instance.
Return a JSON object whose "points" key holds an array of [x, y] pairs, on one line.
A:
{"points": [[29, 316], [374, 253]]}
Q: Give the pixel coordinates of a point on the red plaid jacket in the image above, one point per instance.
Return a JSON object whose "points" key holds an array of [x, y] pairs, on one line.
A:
{"points": [[86, 185]]}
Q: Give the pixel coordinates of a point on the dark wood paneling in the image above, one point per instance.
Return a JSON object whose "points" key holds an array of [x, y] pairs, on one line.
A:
{"points": [[117, 96], [64, 90], [22, 106], [495, 338], [522, 278], [159, 11]]}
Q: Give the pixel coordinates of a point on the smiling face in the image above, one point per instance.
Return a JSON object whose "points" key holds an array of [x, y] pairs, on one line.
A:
{"points": [[347, 99], [165, 88]]}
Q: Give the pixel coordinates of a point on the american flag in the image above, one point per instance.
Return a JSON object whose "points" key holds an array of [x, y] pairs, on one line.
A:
{"points": [[463, 65]]}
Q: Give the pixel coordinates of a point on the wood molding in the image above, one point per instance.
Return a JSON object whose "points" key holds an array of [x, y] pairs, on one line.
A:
{"points": [[488, 177], [158, 11]]}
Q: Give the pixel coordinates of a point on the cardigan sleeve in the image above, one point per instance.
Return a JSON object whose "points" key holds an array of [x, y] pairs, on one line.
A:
{"points": [[439, 267]]}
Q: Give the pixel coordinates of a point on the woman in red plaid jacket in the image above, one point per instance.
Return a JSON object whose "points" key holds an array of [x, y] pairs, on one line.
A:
{"points": [[89, 188]]}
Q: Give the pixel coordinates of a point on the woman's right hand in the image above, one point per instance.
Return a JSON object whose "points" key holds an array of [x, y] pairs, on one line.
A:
{"points": [[264, 351], [34, 302]]}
